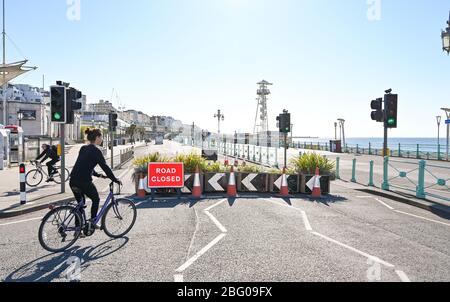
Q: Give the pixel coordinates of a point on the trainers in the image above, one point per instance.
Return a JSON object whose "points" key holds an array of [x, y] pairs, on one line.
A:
{"points": [[50, 179]]}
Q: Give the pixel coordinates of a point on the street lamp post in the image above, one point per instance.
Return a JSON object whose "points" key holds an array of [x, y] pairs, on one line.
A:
{"points": [[20, 118], [438, 119], [445, 35], [342, 123], [220, 117], [447, 113], [335, 130]]}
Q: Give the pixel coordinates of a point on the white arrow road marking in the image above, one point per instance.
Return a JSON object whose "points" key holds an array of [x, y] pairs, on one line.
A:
{"points": [[247, 182], [402, 276], [213, 181], [277, 183]]}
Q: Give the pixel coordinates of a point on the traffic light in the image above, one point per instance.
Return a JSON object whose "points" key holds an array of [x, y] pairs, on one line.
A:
{"points": [[58, 104], [378, 114], [72, 95], [284, 122], [113, 122], [391, 106]]}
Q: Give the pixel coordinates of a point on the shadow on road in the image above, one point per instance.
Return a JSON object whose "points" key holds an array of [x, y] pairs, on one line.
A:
{"points": [[55, 266]]}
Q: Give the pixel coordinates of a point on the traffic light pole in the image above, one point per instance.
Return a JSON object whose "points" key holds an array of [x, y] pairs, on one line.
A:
{"points": [[285, 149], [112, 149], [62, 134]]}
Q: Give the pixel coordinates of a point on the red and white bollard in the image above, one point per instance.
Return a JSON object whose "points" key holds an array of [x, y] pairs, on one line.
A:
{"points": [[23, 185]]}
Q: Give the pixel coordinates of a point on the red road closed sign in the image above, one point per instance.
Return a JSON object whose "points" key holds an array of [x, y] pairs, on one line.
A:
{"points": [[165, 175]]}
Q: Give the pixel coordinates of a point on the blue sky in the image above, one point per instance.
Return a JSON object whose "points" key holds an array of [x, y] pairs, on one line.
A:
{"points": [[188, 58]]}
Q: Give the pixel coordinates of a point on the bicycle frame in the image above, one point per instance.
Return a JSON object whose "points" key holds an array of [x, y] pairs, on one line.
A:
{"points": [[80, 209]]}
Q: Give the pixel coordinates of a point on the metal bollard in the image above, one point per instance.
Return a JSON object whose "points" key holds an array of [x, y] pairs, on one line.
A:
{"points": [[337, 168], [385, 185], [23, 184], [371, 183], [354, 171], [420, 190]]}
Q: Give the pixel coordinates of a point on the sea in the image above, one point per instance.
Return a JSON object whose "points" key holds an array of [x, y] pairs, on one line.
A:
{"points": [[406, 143]]}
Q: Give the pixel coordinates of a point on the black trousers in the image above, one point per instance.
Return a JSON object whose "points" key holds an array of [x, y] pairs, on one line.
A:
{"points": [[50, 165], [81, 190]]}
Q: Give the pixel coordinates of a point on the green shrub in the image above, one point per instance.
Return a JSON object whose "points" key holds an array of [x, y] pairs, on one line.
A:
{"points": [[308, 162], [249, 169]]}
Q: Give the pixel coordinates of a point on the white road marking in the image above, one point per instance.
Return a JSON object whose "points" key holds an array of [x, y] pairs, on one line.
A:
{"points": [[402, 276], [354, 250], [193, 236], [178, 278], [216, 222], [200, 253], [215, 205], [422, 217], [306, 221], [21, 221], [386, 205]]}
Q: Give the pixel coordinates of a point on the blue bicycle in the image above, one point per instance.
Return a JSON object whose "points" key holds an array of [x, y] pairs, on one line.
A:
{"points": [[63, 225]]}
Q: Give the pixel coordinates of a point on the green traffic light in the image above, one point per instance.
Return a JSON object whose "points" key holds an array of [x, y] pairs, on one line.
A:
{"points": [[391, 121], [57, 116]]}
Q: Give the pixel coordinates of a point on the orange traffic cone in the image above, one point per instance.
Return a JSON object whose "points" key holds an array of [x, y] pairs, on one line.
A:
{"points": [[197, 189], [231, 191], [317, 191], [141, 190], [284, 190]]}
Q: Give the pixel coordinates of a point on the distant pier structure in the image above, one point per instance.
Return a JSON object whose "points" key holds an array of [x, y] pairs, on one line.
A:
{"points": [[262, 119]]}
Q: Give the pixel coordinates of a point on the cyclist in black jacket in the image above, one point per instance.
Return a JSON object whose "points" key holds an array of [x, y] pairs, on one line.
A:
{"points": [[49, 152], [81, 177]]}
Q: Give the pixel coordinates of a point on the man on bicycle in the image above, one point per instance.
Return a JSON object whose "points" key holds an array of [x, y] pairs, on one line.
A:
{"points": [[52, 153]]}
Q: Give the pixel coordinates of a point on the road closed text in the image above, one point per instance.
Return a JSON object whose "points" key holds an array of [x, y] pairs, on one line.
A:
{"points": [[165, 175]]}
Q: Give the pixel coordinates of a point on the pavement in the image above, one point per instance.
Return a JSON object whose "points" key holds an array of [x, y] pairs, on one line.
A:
{"points": [[46, 194], [351, 235]]}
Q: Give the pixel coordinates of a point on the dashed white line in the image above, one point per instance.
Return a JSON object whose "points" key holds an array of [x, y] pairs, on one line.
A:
{"points": [[20, 221], [424, 218], [354, 250], [200, 253], [402, 276], [386, 205]]}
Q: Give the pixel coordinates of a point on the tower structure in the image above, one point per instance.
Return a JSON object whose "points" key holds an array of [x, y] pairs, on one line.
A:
{"points": [[262, 119]]}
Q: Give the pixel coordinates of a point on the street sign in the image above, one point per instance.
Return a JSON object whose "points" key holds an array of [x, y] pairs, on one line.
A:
{"points": [[165, 175], [447, 122]]}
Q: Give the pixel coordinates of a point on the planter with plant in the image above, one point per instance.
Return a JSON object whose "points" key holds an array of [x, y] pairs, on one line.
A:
{"points": [[306, 165]]}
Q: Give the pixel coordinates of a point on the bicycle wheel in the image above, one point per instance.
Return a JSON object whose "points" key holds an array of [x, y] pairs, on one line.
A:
{"points": [[57, 177], [60, 229], [119, 218], [34, 178]]}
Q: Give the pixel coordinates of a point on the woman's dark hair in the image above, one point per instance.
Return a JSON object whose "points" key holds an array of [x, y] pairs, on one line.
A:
{"points": [[92, 134]]}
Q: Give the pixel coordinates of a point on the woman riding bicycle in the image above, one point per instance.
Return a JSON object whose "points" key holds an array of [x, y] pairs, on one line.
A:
{"points": [[81, 177]]}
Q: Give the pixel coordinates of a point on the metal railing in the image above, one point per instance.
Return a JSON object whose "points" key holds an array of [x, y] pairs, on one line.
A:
{"points": [[417, 151], [420, 178]]}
